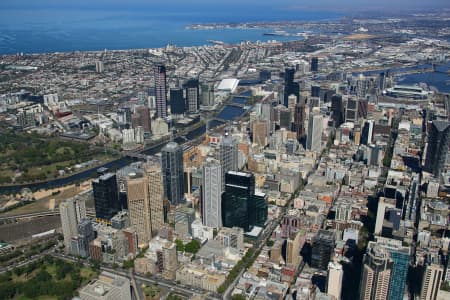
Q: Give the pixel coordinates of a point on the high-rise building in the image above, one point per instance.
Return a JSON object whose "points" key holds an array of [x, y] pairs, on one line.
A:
{"points": [[72, 211], [99, 66], [335, 276], [260, 133], [385, 270], [438, 147], [257, 209], [173, 172], [315, 128], [337, 110], [160, 91], [431, 282], [192, 93], [323, 249], [299, 120], [177, 103], [241, 207], [212, 194], [228, 155], [85, 236], [290, 87], [106, 195], [156, 196], [293, 249], [231, 237], [139, 207], [383, 204], [314, 64], [376, 273], [207, 94], [351, 110], [315, 90], [141, 117], [170, 260], [239, 188]]}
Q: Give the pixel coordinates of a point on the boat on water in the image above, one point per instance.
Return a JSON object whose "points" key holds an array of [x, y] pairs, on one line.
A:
{"points": [[215, 42]]}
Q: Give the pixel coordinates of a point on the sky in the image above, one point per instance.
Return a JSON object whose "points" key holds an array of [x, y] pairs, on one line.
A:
{"points": [[338, 5]]}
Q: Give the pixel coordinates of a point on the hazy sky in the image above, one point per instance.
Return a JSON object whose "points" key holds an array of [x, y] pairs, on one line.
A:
{"points": [[349, 5]]}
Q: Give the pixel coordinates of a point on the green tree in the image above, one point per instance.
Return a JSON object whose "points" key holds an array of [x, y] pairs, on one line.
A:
{"points": [[238, 297], [192, 247], [180, 245]]}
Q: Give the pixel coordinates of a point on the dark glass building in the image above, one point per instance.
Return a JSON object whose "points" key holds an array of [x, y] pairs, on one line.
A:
{"points": [[160, 91], [290, 87], [192, 92], [241, 207], [106, 195], [438, 147], [314, 64], [337, 109], [173, 172], [315, 90], [177, 103], [322, 249]]}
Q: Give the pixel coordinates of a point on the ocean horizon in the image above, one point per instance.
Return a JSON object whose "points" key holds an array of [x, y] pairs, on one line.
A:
{"points": [[65, 30]]}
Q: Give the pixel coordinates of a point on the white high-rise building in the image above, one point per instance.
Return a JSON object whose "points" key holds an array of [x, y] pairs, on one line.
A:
{"points": [[212, 194], [335, 275], [128, 136], [431, 282], [51, 100], [228, 155], [72, 211], [383, 203], [315, 128]]}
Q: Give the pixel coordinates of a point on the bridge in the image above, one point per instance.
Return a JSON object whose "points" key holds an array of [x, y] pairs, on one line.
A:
{"points": [[89, 213]]}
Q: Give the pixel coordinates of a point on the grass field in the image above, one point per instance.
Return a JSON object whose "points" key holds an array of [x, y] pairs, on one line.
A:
{"points": [[43, 204]]}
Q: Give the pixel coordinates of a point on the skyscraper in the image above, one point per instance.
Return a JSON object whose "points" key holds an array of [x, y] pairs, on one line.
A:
{"points": [[337, 109], [299, 120], [351, 110], [173, 172], [385, 270], [106, 195], [438, 147], [192, 92], [142, 118], [160, 91], [260, 133], [177, 103], [139, 207], [228, 155], [314, 64], [156, 196], [322, 249], [207, 94], [212, 194], [431, 282], [241, 206], [72, 211], [315, 128], [85, 236], [335, 276], [290, 87], [239, 188], [376, 273]]}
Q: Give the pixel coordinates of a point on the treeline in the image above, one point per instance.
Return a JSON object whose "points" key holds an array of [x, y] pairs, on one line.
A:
{"points": [[62, 284], [245, 262]]}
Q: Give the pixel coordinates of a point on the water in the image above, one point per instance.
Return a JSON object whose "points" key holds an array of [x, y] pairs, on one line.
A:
{"points": [[439, 80], [240, 100], [231, 112], [44, 26]]}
